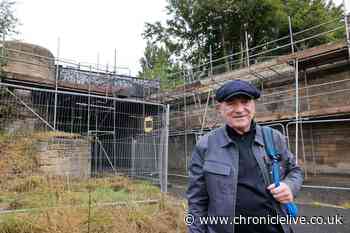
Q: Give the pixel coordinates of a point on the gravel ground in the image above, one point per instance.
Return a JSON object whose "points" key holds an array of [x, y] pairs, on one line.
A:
{"points": [[311, 210]]}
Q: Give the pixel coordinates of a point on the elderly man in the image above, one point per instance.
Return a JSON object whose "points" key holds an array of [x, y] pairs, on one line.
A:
{"points": [[230, 173]]}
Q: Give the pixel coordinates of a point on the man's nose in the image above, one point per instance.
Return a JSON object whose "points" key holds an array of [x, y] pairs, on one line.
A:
{"points": [[239, 108]]}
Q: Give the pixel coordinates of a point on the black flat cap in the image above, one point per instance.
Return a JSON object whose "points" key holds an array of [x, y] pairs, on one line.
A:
{"points": [[236, 87]]}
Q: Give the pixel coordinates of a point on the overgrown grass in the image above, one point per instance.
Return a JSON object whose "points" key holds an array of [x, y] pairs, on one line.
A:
{"points": [[42, 192], [17, 154], [22, 185], [52, 206], [64, 204], [346, 205], [164, 218]]}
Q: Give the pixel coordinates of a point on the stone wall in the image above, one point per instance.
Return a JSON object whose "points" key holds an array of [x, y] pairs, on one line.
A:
{"points": [[15, 118], [323, 92], [28, 61], [65, 156], [326, 147]]}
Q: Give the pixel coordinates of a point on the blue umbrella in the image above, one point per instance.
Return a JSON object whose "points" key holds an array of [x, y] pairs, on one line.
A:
{"points": [[291, 208]]}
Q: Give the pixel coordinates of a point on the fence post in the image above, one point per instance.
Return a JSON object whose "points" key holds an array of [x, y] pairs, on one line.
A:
{"points": [[164, 156], [296, 63], [56, 83], [133, 157]]}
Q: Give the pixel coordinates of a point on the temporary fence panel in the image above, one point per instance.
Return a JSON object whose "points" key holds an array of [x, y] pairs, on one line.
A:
{"points": [[95, 139]]}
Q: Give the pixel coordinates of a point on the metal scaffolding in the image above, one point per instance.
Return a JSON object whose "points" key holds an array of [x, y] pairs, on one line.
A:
{"points": [[295, 92], [123, 125], [101, 116]]}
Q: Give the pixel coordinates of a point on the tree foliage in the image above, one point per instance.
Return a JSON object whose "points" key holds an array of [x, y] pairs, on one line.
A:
{"points": [[8, 20], [157, 63], [323, 14], [8, 24], [195, 26]]}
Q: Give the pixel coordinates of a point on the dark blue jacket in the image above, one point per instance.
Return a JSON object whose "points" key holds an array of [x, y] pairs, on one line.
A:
{"points": [[214, 172]]}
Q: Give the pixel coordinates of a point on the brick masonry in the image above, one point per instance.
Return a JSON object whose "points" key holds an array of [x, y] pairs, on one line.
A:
{"points": [[65, 157]]}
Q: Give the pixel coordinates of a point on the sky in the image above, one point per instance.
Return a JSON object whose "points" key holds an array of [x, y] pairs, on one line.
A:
{"points": [[90, 31]]}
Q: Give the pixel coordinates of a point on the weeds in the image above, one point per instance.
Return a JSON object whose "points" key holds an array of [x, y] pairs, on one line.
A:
{"points": [[53, 204], [57, 209], [17, 155], [40, 191], [136, 219], [346, 205]]}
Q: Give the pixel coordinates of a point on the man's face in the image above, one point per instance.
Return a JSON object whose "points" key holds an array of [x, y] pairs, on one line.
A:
{"points": [[238, 112]]}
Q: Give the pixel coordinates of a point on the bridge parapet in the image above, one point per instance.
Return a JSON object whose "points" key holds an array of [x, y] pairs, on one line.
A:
{"points": [[108, 82], [29, 64]]}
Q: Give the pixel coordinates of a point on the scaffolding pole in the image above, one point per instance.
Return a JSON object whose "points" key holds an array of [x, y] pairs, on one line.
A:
{"points": [[205, 112], [296, 63], [106, 154], [211, 60], [89, 101], [28, 107], [56, 83], [115, 62], [311, 122], [313, 151], [185, 123], [114, 131], [291, 34], [82, 94], [304, 154], [247, 48], [347, 31], [3, 53], [96, 143]]}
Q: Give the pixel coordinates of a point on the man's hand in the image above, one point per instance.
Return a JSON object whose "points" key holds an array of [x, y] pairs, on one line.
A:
{"points": [[282, 193]]}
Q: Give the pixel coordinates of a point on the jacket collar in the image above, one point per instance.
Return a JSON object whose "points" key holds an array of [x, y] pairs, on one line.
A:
{"points": [[224, 138]]}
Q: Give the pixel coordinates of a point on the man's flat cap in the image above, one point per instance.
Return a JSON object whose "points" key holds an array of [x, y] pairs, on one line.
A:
{"points": [[234, 88]]}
